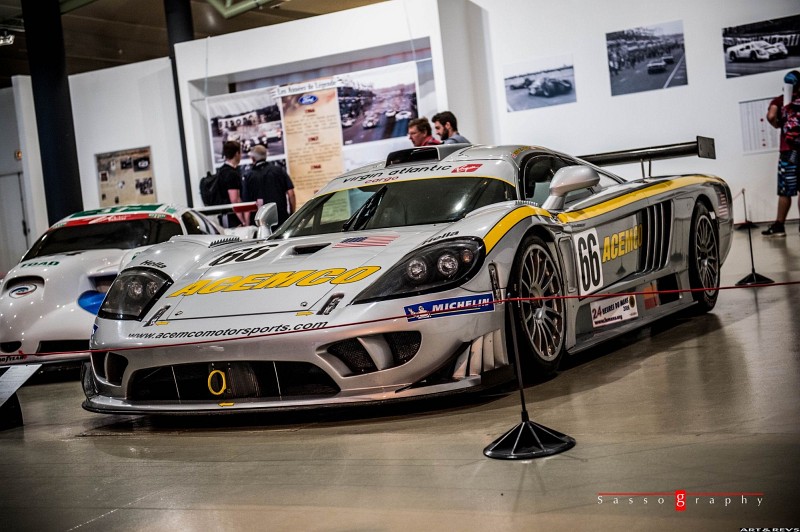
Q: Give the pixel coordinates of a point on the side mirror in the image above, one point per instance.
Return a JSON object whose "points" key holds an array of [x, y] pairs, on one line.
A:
{"points": [[566, 180], [266, 219]]}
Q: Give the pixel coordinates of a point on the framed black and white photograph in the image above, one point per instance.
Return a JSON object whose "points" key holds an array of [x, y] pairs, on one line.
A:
{"points": [[539, 82], [646, 58], [251, 118], [763, 46]]}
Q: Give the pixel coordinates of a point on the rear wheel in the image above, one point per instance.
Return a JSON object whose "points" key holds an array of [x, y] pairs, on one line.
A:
{"points": [[704, 263], [539, 317]]}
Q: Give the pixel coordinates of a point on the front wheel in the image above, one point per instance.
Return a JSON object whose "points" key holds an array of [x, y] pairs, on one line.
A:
{"points": [[704, 264], [539, 315]]}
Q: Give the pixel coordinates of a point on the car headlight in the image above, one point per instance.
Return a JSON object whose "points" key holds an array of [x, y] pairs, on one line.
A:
{"points": [[133, 293], [433, 268]]}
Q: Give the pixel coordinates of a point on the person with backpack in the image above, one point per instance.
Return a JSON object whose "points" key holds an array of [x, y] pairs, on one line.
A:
{"points": [[786, 117], [268, 183], [229, 181]]}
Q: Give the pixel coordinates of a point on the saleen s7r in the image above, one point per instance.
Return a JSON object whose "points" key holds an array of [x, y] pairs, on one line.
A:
{"points": [[395, 281]]}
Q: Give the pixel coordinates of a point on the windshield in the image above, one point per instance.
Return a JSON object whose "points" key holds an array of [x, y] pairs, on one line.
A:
{"points": [[128, 234], [399, 204]]}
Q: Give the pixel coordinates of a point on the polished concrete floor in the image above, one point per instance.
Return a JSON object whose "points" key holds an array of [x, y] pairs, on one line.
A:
{"points": [[709, 405]]}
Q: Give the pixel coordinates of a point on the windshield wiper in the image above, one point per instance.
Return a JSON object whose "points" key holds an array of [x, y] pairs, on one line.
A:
{"points": [[367, 211]]}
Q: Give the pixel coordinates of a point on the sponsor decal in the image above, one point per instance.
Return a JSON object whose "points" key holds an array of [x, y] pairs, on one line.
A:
{"points": [[516, 153], [154, 264], [613, 310], [43, 263], [307, 99], [5, 359], [22, 290], [157, 316], [440, 237], [110, 218], [450, 307], [366, 241], [243, 332], [622, 243], [259, 281], [465, 168]]}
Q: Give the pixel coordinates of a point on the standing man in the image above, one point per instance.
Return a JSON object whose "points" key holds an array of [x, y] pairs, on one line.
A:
{"points": [[230, 181], [777, 116], [447, 128], [267, 183], [419, 131]]}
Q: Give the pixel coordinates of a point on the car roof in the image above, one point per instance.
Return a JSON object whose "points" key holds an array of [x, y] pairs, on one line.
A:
{"points": [[444, 160]]}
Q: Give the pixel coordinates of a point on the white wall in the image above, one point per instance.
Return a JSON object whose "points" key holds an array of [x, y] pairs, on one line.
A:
{"points": [[708, 105], [126, 107], [134, 105]]}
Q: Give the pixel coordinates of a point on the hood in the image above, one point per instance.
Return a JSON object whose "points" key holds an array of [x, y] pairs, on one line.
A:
{"points": [[265, 276], [38, 286]]}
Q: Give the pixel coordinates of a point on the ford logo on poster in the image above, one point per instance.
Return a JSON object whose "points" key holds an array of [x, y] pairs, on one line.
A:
{"points": [[307, 99]]}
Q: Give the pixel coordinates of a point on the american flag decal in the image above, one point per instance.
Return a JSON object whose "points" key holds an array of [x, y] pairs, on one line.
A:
{"points": [[365, 241]]}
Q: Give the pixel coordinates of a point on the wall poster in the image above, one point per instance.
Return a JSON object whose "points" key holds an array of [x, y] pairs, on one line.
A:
{"points": [[125, 177], [323, 121], [646, 58], [763, 46], [540, 82]]}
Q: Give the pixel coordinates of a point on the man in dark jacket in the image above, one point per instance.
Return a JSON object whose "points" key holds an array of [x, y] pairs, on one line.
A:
{"points": [[268, 183]]}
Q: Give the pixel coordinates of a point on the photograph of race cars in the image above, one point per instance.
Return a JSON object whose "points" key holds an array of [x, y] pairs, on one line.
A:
{"points": [[763, 46], [541, 82], [377, 104], [249, 117], [395, 280], [49, 300], [646, 58]]}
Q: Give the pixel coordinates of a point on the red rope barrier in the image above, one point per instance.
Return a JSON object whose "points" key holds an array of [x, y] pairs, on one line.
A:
{"points": [[403, 316]]}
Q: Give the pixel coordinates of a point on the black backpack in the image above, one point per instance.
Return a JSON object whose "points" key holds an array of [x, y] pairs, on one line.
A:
{"points": [[209, 189]]}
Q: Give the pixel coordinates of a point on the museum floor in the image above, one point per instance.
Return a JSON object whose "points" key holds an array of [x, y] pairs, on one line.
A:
{"points": [[709, 405]]}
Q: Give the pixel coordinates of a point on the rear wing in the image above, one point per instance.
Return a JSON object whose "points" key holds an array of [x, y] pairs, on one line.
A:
{"points": [[702, 147]]}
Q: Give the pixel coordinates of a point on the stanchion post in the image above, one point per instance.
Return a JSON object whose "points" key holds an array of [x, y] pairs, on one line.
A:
{"points": [[753, 277], [528, 439]]}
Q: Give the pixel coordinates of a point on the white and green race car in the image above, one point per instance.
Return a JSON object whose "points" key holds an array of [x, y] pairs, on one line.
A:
{"points": [[395, 281], [49, 300]]}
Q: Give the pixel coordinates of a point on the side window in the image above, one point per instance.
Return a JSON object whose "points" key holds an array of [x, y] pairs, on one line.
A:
{"points": [[537, 174]]}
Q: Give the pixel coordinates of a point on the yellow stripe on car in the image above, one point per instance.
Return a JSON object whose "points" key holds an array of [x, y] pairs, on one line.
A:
{"points": [[514, 217]]}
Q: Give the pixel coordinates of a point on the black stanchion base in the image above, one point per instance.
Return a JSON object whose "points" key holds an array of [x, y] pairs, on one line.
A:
{"points": [[747, 224], [754, 278], [10, 413], [529, 440]]}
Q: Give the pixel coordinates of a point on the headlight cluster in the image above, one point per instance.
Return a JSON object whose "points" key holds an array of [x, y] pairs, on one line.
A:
{"points": [[430, 269], [133, 293]]}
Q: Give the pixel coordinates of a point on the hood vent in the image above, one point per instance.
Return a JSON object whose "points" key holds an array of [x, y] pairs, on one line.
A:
{"points": [[224, 240], [309, 250]]}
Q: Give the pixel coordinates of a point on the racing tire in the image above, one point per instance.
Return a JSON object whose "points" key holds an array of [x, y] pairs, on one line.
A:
{"points": [[546, 91], [704, 263], [732, 57], [540, 323]]}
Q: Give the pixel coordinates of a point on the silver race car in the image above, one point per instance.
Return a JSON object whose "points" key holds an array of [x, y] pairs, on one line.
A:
{"points": [[49, 300], [395, 281]]}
